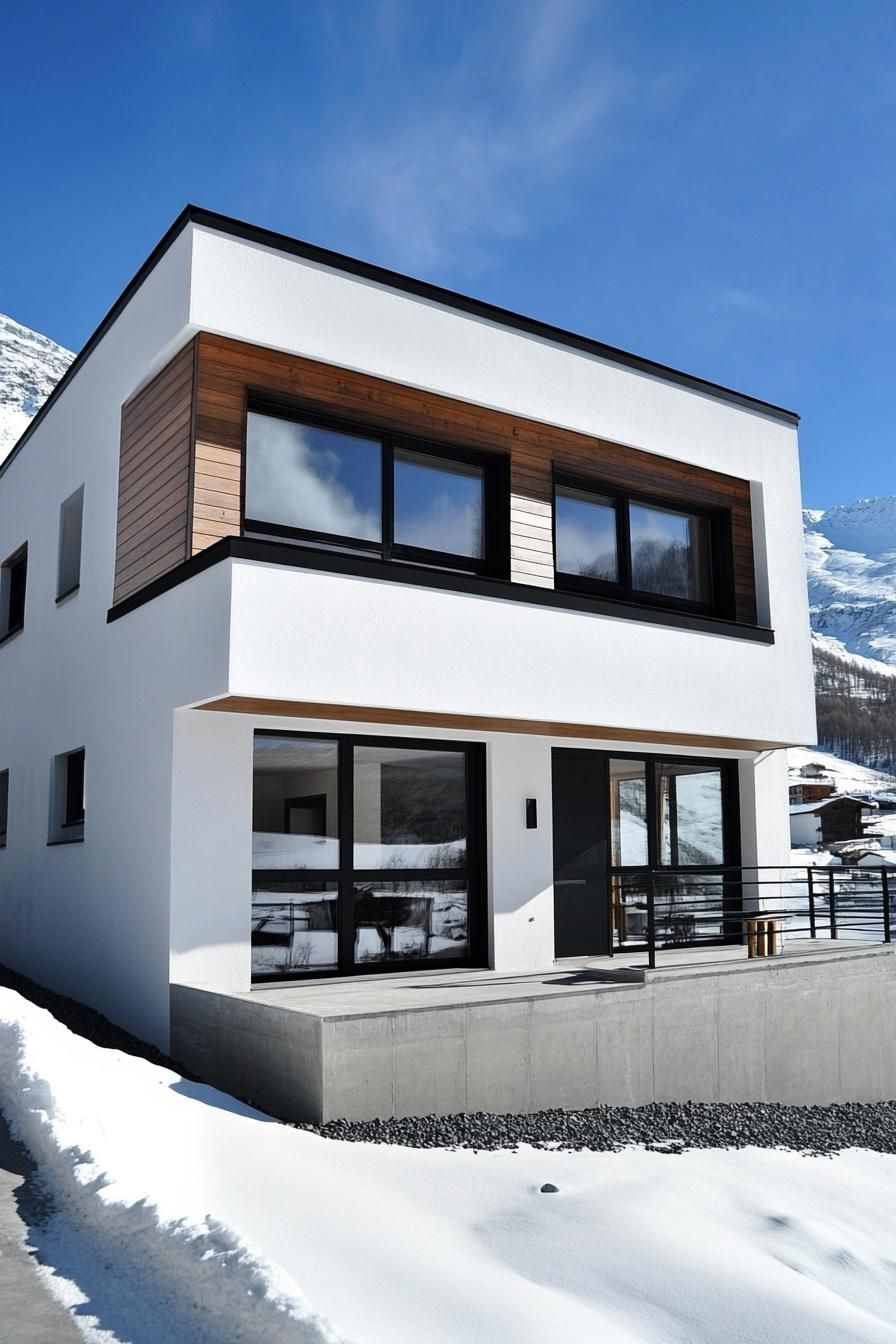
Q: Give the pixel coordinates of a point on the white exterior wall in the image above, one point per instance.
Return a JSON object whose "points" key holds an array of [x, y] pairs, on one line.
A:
{"points": [[91, 919], [306, 635], [163, 878], [805, 829]]}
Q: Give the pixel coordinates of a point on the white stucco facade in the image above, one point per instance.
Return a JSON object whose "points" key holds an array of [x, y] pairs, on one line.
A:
{"points": [[159, 890]]}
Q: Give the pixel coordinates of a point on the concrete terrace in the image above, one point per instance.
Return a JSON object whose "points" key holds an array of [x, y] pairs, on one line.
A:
{"points": [[805, 1027]]}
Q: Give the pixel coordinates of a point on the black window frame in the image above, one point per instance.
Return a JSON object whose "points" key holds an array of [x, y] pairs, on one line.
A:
{"points": [[15, 588], [654, 761], [4, 806], [346, 876], [74, 810], [721, 604], [495, 468], [728, 871]]}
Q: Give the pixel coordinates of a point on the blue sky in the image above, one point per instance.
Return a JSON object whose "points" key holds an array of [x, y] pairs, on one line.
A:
{"points": [[711, 185]]}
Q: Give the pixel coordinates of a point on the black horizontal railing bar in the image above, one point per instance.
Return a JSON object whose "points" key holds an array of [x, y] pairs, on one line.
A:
{"points": [[711, 905], [312, 875]]}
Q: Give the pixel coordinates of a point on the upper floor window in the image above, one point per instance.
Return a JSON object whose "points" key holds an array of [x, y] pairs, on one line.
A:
{"points": [[641, 550], [400, 499], [13, 576], [4, 805], [71, 513]]}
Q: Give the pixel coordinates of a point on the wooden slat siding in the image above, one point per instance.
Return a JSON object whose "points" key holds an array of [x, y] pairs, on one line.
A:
{"points": [[419, 718], [154, 477], [228, 371]]}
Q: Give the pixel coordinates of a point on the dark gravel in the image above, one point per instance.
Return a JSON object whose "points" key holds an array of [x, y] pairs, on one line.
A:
{"points": [[669, 1127]]}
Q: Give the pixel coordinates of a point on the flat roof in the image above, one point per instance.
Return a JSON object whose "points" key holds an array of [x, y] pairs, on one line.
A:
{"points": [[447, 298]]}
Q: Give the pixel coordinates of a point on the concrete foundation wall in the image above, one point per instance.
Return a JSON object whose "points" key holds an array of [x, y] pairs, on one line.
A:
{"points": [[806, 1033]]}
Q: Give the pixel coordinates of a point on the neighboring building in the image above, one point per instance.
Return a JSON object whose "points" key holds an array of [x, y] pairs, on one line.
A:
{"points": [[810, 783], [352, 626], [829, 821]]}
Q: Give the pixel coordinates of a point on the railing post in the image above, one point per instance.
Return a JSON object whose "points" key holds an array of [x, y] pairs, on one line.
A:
{"points": [[832, 902], [885, 891], [810, 873], [651, 924]]}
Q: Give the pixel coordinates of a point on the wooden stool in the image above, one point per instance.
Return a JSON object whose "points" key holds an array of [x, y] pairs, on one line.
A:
{"points": [[762, 937]]}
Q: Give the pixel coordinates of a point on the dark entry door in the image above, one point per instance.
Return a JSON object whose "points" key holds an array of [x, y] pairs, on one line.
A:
{"points": [[581, 887]]}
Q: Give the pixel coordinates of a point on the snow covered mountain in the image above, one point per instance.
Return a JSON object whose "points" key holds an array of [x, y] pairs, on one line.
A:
{"points": [[30, 367], [851, 565]]}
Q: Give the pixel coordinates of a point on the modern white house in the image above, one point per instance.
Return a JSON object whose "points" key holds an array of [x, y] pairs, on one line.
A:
{"points": [[355, 628]]}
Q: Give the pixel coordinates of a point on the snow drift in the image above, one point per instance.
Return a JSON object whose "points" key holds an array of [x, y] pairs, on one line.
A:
{"points": [[90, 1119], [222, 1226]]}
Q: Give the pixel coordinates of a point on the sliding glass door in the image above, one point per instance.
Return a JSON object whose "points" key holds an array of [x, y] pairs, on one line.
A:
{"points": [[367, 854], [625, 825]]}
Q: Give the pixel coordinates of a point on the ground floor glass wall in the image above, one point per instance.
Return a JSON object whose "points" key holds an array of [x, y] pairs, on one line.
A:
{"points": [[367, 854]]}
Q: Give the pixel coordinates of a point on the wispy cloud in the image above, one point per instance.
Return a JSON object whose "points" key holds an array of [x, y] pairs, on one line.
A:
{"points": [[464, 143], [745, 301]]}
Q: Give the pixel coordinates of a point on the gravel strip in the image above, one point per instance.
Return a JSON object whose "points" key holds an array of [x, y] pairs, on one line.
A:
{"points": [[668, 1127]]}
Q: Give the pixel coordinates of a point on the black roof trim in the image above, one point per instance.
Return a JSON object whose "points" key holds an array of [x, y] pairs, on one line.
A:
{"points": [[381, 275]]}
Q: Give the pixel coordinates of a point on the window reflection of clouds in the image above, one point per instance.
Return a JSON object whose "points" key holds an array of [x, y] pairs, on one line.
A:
{"points": [[301, 476], [586, 536], [438, 506]]}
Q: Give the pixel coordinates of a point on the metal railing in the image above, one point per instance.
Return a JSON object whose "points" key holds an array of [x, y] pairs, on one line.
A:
{"points": [[667, 909]]}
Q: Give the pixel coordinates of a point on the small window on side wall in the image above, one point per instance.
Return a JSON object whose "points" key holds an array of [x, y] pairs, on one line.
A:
{"points": [[67, 797], [13, 576], [4, 806], [71, 513], [641, 550]]}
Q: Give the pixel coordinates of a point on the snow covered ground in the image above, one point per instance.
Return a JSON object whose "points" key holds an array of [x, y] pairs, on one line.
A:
{"points": [[177, 1214]]}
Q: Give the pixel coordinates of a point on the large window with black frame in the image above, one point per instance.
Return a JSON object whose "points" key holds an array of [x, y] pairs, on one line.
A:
{"points": [[673, 829], [367, 854], [640, 549], [327, 484]]}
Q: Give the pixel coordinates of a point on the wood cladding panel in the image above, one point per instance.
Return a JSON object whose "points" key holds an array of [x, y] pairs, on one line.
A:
{"points": [[155, 476], [182, 453], [479, 723], [228, 372]]}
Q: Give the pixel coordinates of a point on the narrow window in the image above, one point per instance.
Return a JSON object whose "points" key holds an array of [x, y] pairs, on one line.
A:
{"points": [[67, 797], [74, 789], [4, 806], [71, 515], [13, 576]]}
